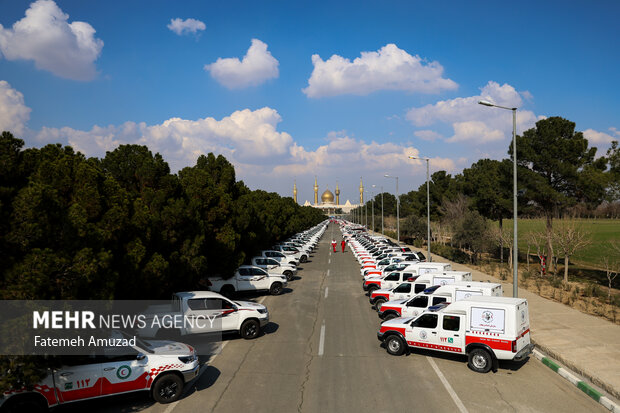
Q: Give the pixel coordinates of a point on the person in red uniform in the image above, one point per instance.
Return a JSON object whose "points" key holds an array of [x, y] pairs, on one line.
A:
{"points": [[334, 244], [343, 244]]}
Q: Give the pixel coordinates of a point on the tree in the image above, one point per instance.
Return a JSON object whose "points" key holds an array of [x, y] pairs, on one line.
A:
{"points": [[613, 174], [612, 266], [557, 168], [413, 228], [569, 238], [472, 232], [488, 183]]}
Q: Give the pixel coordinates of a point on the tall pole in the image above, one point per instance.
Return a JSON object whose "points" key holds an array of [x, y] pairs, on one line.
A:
{"points": [[382, 232], [373, 214], [515, 284], [397, 214], [366, 209], [515, 246], [428, 212]]}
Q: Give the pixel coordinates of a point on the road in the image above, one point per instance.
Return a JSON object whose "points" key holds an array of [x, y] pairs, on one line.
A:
{"points": [[321, 354]]}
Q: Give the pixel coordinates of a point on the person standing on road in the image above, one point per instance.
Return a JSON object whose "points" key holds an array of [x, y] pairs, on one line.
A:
{"points": [[334, 244], [343, 244]]}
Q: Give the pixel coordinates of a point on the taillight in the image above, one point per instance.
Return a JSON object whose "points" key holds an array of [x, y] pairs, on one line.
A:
{"points": [[514, 346]]}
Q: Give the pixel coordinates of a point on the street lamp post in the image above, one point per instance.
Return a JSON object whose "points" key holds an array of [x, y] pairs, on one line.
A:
{"points": [[382, 232], [515, 285], [372, 195], [397, 209], [428, 207]]}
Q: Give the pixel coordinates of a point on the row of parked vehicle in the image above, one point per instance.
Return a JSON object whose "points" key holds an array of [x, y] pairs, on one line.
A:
{"points": [[427, 305], [156, 361]]}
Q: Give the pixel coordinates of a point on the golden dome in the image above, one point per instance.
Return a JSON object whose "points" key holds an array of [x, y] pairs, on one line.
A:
{"points": [[327, 197]]}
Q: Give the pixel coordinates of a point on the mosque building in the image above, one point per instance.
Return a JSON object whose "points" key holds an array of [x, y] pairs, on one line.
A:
{"points": [[329, 204]]}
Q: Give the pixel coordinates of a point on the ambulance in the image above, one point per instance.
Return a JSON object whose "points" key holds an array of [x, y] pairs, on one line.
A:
{"points": [[415, 267], [411, 307], [416, 284], [406, 271], [160, 367], [485, 329]]}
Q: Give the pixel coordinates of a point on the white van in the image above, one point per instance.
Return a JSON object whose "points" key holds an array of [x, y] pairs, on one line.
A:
{"points": [[414, 285], [486, 329], [415, 268], [413, 306]]}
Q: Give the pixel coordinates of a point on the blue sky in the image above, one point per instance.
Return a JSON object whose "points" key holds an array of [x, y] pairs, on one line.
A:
{"points": [[128, 74]]}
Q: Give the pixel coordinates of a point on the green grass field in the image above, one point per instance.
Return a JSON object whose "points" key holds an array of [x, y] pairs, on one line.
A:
{"points": [[602, 231]]}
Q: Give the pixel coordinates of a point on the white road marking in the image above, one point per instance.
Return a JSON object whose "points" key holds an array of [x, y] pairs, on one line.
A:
{"points": [[328, 272], [329, 261], [449, 388], [322, 339], [326, 288], [260, 300]]}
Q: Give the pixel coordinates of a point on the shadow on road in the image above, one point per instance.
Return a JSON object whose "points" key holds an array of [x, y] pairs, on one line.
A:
{"points": [[460, 358]]}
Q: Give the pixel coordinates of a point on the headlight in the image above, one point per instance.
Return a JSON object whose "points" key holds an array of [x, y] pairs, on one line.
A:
{"points": [[262, 311], [188, 359]]}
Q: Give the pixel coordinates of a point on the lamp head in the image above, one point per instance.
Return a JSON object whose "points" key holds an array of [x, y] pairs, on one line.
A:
{"points": [[485, 103]]}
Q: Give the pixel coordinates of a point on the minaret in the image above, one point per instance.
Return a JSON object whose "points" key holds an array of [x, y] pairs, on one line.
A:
{"points": [[316, 192], [337, 194], [361, 192], [295, 191]]}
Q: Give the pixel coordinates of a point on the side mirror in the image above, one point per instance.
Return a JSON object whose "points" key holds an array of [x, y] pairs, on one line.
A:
{"points": [[140, 356]]}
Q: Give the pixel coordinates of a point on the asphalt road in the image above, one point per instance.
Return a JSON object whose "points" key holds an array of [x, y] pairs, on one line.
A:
{"points": [[321, 354]]}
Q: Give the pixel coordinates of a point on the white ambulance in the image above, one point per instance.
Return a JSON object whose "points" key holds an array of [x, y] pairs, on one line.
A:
{"points": [[413, 306], [486, 329], [160, 367], [416, 284], [414, 267]]}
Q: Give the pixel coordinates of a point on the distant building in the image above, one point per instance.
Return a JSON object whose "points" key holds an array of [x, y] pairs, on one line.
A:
{"points": [[328, 204]]}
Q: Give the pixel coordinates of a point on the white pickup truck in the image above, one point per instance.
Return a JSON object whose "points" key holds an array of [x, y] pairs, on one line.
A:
{"points": [[486, 329], [204, 312], [248, 278], [274, 267], [159, 367]]}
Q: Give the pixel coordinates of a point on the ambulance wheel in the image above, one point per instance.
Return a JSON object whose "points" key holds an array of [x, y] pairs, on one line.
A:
{"points": [[227, 290], [249, 329], [395, 345], [304, 258], [26, 403], [276, 289], [379, 302], [389, 316], [167, 388], [288, 275], [372, 288], [480, 360]]}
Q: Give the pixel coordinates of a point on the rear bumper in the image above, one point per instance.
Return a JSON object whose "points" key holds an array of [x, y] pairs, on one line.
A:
{"points": [[525, 351]]}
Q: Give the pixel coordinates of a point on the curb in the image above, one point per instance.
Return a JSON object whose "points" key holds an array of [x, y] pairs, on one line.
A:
{"points": [[576, 380]]}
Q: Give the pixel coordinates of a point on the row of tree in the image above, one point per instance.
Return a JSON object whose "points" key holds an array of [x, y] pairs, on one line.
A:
{"points": [[557, 171], [123, 226]]}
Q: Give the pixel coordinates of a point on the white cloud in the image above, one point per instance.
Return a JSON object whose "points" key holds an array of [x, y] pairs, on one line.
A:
{"points": [[600, 138], [186, 26], [14, 114], [389, 68], [256, 67], [427, 135], [247, 137], [472, 122], [68, 50]]}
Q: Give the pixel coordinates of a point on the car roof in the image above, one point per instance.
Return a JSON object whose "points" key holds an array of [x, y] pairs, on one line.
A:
{"points": [[198, 294]]}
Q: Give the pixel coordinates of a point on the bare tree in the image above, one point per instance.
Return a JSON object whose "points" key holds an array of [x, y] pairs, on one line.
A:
{"points": [[453, 212], [612, 266], [569, 238], [536, 239], [504, 236]]}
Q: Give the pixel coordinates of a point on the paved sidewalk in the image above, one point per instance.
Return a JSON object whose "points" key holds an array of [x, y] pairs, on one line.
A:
{"points": [[588, 345]]}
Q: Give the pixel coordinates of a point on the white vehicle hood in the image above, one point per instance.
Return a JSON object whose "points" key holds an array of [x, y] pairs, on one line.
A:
{"points": [[170, 348], [250, 305]]}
